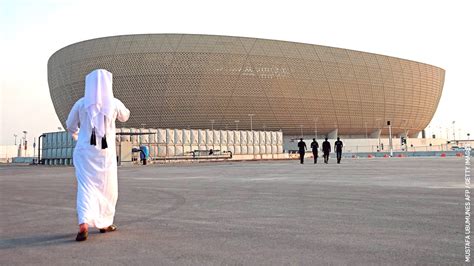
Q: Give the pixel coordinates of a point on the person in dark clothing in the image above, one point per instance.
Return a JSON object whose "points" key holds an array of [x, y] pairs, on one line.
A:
{"points": [[326, 150], [301, 150], [338, 148], [314, 148]]}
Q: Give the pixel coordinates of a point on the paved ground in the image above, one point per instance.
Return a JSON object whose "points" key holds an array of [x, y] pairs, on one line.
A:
{"points": [[365, 211]]}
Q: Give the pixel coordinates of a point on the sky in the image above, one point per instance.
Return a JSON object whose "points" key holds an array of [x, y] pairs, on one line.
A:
{"points": [[433, 32]]}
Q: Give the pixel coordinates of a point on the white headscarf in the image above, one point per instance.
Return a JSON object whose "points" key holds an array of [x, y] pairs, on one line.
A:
{"points": [[99, 99]]}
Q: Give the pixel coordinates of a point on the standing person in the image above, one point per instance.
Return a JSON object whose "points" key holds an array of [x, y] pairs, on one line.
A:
{"points": [[301, 150], [338, 148], [314, 148], [94, 155], [326, 150]]}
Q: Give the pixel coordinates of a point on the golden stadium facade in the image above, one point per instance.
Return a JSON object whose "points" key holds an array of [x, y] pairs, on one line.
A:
{"points": [[204, 81]]}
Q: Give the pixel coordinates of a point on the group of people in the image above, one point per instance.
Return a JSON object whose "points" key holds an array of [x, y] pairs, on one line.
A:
{"points": [[326, 150]]}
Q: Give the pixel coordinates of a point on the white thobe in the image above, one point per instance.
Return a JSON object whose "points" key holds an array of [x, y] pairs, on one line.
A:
{"points": [[96, 168]]}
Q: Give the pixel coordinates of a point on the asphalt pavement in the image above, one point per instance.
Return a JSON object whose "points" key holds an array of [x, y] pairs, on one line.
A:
{"points": [[399, 211]]}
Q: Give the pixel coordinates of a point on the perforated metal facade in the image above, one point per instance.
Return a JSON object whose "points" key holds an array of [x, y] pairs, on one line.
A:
{"points": [[202, 81]]}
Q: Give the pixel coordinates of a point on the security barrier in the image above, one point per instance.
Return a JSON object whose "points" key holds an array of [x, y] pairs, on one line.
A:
{"points": [[58, 147]]}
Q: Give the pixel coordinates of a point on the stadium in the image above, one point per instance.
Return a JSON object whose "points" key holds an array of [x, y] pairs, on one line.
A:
{"points": [[224, 82]]}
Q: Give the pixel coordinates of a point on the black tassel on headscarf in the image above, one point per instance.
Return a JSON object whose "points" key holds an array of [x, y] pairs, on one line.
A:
{"points": [[104, 140], [93, 138], [104, 143]]}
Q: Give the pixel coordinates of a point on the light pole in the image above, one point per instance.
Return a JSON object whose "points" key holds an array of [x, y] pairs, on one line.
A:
{"points": [[377, 122], [25, 143], [405, 123], [251, 115], [366, 135], [15, 135], [316, 127], [390, 138], [39, 147], [212, 132], [454, 132], [236, 124], [34, 151]]}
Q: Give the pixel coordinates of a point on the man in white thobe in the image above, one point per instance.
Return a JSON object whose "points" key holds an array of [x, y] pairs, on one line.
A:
{"points": [[94, 155]]}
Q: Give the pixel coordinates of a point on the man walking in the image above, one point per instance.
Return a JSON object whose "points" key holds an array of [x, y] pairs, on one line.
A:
{"points": [[301, 150], [326, 150], [91, 123], [338, 148], [314, 148]]}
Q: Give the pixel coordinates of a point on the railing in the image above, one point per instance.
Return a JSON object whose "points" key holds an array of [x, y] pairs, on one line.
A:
{"points": [[211, 154], [396, 148]]}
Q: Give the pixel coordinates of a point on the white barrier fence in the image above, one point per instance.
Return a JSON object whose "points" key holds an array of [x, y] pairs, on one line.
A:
{"points": [[57, 147]]}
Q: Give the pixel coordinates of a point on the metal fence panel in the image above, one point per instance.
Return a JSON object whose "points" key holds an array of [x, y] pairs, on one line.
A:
{"points": [[237, 138], [169, 136], [274, 149], [268, 138], [161, 136], [186, 136], [243, 137], [243, 149], [217, 137], [153, 137], [125, 137], [201, 137], [171, 150], [250, 149], [237, 149], [256, 137], [134, 138], [194, 136], [268, 149], [223, 134], [279, 137], [144, 138], [178, 136], [262, 135], [209, 137], [256, 149], [230, 138], [161, 150], [179, 150], [250, 139], [279, 149]]}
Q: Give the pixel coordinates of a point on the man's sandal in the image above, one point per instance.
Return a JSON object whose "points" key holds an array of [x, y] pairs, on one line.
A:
{"points": [[111, 228], [82, 236]]}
